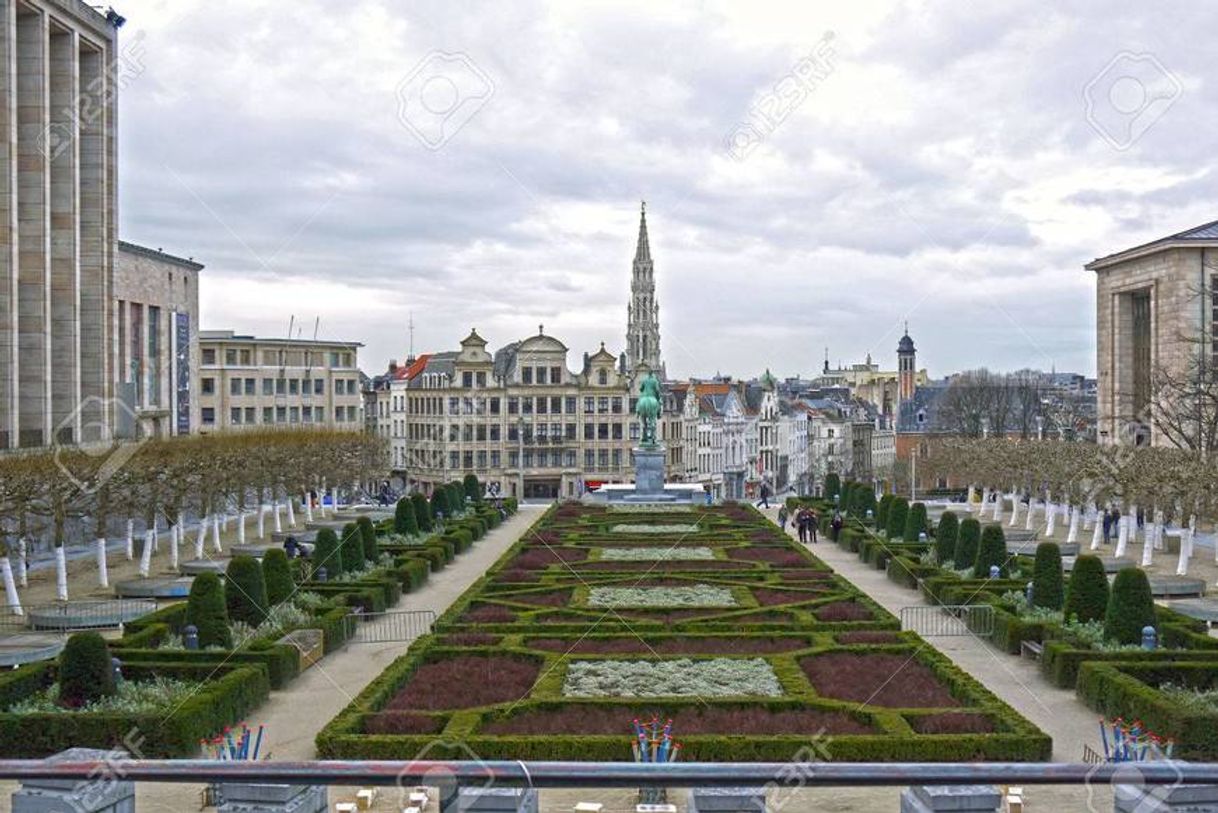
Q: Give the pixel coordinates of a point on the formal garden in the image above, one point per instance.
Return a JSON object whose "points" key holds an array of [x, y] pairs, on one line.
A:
{"points": [[186, 672], [1099, 632], [709, 616]]}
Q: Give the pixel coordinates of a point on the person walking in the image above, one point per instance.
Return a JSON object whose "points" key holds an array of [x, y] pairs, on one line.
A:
{"points": [[801, 524], [764, 502], [1107, 522], [836, 524], [782, 518], [813, 522]]}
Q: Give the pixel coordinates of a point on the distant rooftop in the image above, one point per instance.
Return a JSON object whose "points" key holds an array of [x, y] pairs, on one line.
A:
{"points": [[231, 336], [158, 254]]}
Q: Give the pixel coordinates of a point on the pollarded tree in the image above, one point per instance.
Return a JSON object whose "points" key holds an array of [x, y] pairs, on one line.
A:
{"points": [[1130, 607], [968, 539], [245, 591], [1087, 593], [206, 611], [898, 514], [403, 518], [1047, 583], [422, 511], [992, 552], [915, 522], [945, 537]]}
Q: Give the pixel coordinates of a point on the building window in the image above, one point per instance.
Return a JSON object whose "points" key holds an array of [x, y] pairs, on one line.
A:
{"points": [[513, 460], [249, 415], [526, 375], [617, 431], [526, 405], [602, 431], [454, 460], [570, 407], [494, 406], [589, 458], [467, 379], [634, 431], [234, 415], [494, 432], [513, 405], [602, 404], [293, 386], [617, 458], [234, 386], [209, 386], [569, 458], [494, 458], [556, 375], [454, 405], [570, 433], [319, 386], [338, 414], [482, 459], [294, 414], [481, 379], [208, 416], [602, 377], [556, 405], [467, 460], [268, 415], [513, 433], [602, 458], [209, 355], [589, 431], [589, 405], [281, 386], [617, 405], [230, 358], [250, 383], [528, 458], [541, 375]]}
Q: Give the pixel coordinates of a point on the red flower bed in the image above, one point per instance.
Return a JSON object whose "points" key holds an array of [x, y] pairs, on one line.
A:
{"points": [[768, 598], [402, 722], [662, 567], [539, 559], [668, 646], [470, 639], [877, 679], [517, 575], [868, 637], [774, 556], [487, 614], [465, 681], [843, 611], [596, 719], [952, 723], [763, 617], [553, 598], [543, 538], [805, 575]]}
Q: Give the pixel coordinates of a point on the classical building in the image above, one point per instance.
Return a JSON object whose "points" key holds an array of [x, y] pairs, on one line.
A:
{"points": [[59, 80], [156, 343], [643, 311], [1155, 312], [519, 418], [251, 382], [867, 380]]}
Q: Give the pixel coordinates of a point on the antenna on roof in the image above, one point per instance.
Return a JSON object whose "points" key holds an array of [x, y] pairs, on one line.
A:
{"points": [[291, 326], [316, 326]]}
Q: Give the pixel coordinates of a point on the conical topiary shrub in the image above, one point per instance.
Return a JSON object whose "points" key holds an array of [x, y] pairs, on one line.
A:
{"points": [[245, 591], [968, 539], [945, 536], [898, 514], [277, 574], [992, 551], [439, 503], [207, 612], [352, 544], [326, 554], [422, 511], [833, 485], [472, 488], [881, 514], [368, 538], [456, 497], [915, 522], [1087, 593], [1130, 607], [1047, 583], [403, 518], [85, 672]]}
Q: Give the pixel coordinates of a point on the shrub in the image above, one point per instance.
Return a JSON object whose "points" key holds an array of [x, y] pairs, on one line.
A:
{"points": [[881, 514], [326, 553], [992, 551], [472, 488], [439, 503], [915, 522], [1130, 608], [1087, 595], [945, 536], [898, 511], [85, 674], [245, 591], [206, 610], [277, 574], [967, 540], [422, 511], [833, 485], [456, 497], [351, 544], [368, 538], [403, 518], [1047, 582]]}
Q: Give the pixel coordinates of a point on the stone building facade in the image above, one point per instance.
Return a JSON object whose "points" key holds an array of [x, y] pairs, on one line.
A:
{"points": [[1155, 309], [59, 76], [156, 342], [248, 382]]}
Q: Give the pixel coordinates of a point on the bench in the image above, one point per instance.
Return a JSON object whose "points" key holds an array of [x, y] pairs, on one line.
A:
{"points": [[1031, 649]]}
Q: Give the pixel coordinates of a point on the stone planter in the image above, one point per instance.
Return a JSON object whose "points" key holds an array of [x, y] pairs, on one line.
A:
{"points": [[310, 643]]}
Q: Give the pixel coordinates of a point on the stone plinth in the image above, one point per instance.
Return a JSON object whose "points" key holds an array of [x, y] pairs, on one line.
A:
{"points": [[1028, 547], [497, 800], [239, 797], [105, 794], [279, 537], [956, 798], [80, 615], [257, 550], [154, 588], [1163, 585], [29, 647], [1203, 609], [727, 800], [1111, 563], [1190, 798], [648, 471], [310, 644], [197, 566]]}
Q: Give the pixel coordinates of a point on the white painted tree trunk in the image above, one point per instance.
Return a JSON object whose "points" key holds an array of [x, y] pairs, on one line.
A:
{"points": [[1097, 536], [1014, 510], [998, 506], [1148, 546], [308, 504], [1089, 517], [1122, 535], [156, 538], [215, 534], [985, 496], [1186, 546], [321, 503], [130, 540], [10, 587], [241, 526], [1072, 534], [175, 536], [1050, 519], [1030, 518], [224, 525], [23, 565], [146, 555], [334, 499], [968, 499], [103, 574], [278, 520], [261, 520], [291, 511], [61, 574], [201, 537], [1132, 525]]}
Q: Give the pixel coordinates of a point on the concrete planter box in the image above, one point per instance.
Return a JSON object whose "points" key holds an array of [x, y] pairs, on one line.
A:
{"points": [[310, 643]]}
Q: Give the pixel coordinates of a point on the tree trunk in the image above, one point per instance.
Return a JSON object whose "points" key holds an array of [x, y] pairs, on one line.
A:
{"points": [[23, 569], [1090, 516], [1072, 534], [278, 520], [308, 504], [10, 587], [240, 526], [175, 534], [61, 574], [156, 537], [291, 512], [1050, 518], [130, 540], [968, 499], [215, 534], [103, 575], [1122, 535], [201, 537], [146, 555], [261, 520], [1097, 536], [1030, 518], [1015, 503]]}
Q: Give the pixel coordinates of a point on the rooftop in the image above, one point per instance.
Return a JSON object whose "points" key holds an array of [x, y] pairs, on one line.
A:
{"points": [[158, 254], [1198, 236]]}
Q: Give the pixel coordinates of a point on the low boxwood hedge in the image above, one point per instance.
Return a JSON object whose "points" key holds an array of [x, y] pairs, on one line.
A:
{"points": [[281, 661]]}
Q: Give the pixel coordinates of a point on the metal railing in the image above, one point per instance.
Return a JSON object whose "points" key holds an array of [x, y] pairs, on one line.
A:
{"points": [[388, 627], [949, 619]]}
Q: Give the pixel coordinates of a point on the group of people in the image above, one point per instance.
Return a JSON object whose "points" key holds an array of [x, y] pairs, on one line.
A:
{"points": [[1110, 519], [805, 521]]}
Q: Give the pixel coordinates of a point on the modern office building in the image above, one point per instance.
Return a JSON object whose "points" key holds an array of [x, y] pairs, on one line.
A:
{"points": [[60, 73], [247, 382]]}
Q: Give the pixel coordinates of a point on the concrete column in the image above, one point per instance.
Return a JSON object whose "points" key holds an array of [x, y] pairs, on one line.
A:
{"points": [[8, 227], [62, 147], [33, 229], [97, 217]]}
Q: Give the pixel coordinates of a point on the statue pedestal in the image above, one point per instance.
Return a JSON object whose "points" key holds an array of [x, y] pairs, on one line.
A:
{"points": [[648, 471]]}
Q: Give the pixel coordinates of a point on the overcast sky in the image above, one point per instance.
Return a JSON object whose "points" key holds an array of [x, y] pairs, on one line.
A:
{"points": [[815, 174]]}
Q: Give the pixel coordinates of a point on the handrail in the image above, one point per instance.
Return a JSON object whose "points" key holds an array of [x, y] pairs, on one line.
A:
{"points": [[508, 773]]}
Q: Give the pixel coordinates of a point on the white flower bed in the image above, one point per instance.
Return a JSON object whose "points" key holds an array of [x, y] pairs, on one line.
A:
{"points": [[653, 529], [647, 508], [696, 595], [655, 554], [718, 677]]}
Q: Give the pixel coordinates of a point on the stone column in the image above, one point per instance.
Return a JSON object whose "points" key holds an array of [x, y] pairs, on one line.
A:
{"points": [[61, 146], [8, 229]]}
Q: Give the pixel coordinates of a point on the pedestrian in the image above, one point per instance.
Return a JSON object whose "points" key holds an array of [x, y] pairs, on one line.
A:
{"points": [[782, 518], [813, 522], [1107, 522], [291, 547], [764, 502], [801, 524], [836, 524]]}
